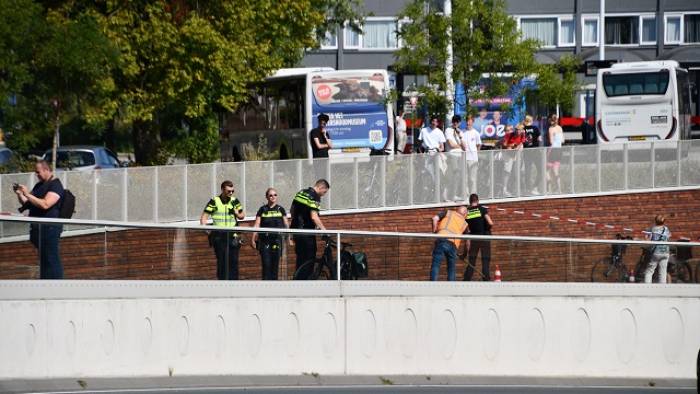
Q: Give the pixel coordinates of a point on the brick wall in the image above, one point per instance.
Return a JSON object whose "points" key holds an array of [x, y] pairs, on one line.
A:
{"points": [[182, 254]]}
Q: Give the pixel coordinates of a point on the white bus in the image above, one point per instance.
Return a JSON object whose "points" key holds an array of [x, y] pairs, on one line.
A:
{"points": [[643, 101], [280, 112]]}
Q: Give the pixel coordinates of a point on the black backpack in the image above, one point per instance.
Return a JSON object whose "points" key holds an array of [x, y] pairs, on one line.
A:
{"points": [[68, 205]]}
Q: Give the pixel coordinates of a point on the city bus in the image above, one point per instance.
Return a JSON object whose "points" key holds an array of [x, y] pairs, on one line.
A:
{"points": [[642, 101], [275, 121]]}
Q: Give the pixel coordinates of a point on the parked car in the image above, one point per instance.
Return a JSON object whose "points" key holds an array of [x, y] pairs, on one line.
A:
{"points": [[5, 156], [83, 157]]}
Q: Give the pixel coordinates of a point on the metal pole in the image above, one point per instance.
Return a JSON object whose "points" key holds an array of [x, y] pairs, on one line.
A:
{"points": [[449, 83], [653, 165], [243, 188], [94, 194], [625, 169], [493, 174], [543, 171], [679, 157], [600, 170], [356, 178], [410, 179], [125, 195], [184, 181], [383, 179], [572, 165], [155, 194], [338, 247], [601, 36]]}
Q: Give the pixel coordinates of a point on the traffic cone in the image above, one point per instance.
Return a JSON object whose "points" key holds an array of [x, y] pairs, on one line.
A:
{"points": [[497, 274], [630, 276]]}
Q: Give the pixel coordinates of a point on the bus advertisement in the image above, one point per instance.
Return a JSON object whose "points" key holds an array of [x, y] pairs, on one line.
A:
{"points": [[493, 115], [355, 103]]}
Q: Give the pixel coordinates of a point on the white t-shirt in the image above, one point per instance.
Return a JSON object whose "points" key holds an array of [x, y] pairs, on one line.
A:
{"points": [[400, 124], [432, 138], [450, 134], [471, 138]]}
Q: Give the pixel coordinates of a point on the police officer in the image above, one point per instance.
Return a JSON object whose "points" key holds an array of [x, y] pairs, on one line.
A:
{"points": [[480, 223], [304, 211], [225, 210], [270, 215]]}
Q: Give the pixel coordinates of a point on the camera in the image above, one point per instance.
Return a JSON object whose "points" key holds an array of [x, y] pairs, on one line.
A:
{"points": [[15, 186]]}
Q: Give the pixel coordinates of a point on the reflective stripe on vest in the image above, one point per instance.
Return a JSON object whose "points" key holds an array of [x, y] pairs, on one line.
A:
{"points": [[453, 224], [473, 213], [223, 216]]}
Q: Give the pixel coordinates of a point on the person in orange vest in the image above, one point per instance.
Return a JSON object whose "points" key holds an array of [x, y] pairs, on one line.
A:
{"points": [[452, 223]]}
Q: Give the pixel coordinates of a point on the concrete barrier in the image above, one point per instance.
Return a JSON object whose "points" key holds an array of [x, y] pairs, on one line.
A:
{"points": [[72, 329]]}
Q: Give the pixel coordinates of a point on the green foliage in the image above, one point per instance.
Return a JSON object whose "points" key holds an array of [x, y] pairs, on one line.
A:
{"points": [[557, 83], [485, 40], [161, 70]]}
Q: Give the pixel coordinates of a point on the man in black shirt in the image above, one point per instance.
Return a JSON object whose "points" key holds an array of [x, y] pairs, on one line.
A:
{"points": [[270, 215], [304, 211], [319, 138], [533, 173], [480, 223], [43, 201]]}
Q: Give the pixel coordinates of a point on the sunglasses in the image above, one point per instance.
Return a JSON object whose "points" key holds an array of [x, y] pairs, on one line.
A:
{"points": [[271, 195]]}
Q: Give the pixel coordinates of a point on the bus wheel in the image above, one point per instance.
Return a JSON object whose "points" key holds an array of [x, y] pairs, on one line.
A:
{"points": [[284, 153]]}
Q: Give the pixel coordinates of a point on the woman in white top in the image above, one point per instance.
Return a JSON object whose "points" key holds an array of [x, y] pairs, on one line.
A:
{"points": [[556, 140]]}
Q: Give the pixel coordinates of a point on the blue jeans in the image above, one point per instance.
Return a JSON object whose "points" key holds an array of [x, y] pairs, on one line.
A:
{"points": [[45, 237], [446, 248]]}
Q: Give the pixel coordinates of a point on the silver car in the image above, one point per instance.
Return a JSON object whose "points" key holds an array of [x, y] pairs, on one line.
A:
{"points": [[83, 157]]}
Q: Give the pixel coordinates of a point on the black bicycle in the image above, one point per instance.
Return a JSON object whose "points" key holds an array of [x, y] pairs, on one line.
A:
{"points": [[678, 269], [352, 265], [612, 269]]}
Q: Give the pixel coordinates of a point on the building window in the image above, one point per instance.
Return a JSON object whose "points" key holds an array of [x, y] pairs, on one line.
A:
{"points": [[352, 38], [648, 30], [673, 29], [621, 30], [590, 31], [330, 41], [691, 28], [379, 34], [567, 32], [543, 30]]}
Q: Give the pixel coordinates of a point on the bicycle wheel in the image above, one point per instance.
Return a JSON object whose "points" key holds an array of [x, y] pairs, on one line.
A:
{"points": [[306, 271], [605, 271], [323, 272], [682, 273]]}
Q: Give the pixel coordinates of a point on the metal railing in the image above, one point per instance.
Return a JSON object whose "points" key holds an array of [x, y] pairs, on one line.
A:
{"points": [[128, 250], [180, 192]]}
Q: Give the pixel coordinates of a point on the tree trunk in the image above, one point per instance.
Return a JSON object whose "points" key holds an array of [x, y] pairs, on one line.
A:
{"points": [[147, 142]]}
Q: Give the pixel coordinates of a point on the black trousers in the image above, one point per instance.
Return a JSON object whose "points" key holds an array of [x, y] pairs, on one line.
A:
{"points": [[226, 248], [305, 249], [474, 248], [270, 251]]}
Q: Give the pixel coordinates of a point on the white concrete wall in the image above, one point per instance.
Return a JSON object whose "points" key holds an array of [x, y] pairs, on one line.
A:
{"points": [[113, 328]]}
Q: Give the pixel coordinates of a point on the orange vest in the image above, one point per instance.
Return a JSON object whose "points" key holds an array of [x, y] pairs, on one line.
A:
{"points": [[452, 223]]}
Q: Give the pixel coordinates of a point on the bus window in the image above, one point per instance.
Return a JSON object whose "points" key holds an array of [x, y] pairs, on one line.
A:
{"points": [[616, 85]]}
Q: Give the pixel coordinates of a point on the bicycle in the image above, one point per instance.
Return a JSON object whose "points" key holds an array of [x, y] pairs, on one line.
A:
{"points": [[352, 265], [612, 269], [678, 269]]}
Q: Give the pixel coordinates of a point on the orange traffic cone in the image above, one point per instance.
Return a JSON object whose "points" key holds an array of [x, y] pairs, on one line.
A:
{"points": [[630, 276], [497, 274]]}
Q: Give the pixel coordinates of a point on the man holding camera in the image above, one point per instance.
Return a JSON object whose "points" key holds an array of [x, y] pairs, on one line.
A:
{"points": [[225, 210], [43, 202]]}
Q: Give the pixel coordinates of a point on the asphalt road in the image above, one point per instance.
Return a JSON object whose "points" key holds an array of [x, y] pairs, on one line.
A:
{"points": [[388, 389]]}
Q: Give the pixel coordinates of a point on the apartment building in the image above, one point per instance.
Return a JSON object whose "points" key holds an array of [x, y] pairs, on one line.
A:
{"points": [[634, 30]]}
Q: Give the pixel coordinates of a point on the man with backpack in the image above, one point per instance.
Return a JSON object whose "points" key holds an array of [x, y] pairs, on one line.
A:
{"points": [[44, 201]]}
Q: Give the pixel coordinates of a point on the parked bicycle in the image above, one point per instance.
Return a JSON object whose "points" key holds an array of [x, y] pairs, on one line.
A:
{"points": [[678, 269], [352, 265], [612, 269]]}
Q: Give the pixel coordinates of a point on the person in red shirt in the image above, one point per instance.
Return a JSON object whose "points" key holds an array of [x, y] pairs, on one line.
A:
{"points": [[511, 141]]}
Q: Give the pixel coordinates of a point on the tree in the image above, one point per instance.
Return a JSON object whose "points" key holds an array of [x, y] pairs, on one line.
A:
{"points": [[556, 83], [192, 59], [485, 40], [55, 69]]}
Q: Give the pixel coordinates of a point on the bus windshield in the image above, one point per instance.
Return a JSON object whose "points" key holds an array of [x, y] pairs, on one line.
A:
{"points": [[354, 102], [635, 84]]}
